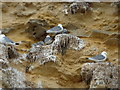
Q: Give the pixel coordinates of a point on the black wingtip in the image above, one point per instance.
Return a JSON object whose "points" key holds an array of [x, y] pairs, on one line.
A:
{"points": [[17, 44]]}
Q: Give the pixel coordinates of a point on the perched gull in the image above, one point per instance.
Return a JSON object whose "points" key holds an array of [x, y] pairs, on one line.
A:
{"points": [[64, 31], [100, 57], [38, 44], [57, 29], [48, 40], [6, 40]]}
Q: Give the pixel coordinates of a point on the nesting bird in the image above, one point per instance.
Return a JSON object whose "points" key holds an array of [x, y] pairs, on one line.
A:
{"points": [[48, 40], [57, 29], [100, 57], [6, 40], [40, 43], [65, 31]]}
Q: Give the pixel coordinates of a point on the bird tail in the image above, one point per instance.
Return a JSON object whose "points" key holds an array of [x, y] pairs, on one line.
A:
{"points": [[87, 58], [16, 43]]}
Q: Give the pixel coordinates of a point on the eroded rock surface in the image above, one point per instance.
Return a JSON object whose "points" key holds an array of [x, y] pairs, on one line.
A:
{"points": [[8, 52], [67, 41], [11, 77], [47, 53], [65, 72], [36, 30], [100, 75]]}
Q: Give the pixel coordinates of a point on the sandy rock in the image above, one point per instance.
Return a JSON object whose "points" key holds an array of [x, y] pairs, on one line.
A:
{"points": [[39, 56], [4, 7], [6, 30], [32, 84], [25, 13], [23, 9], [44, 54], [82, 7], [67, 41], [115, 42], [35, 22], [8, 52], [100, 75], [100, 34], [115, 4], [91, 51], [4, 64], [3, 52], [12, 78], [70, 26], [36, 29], [97, 18], [114, 38]]}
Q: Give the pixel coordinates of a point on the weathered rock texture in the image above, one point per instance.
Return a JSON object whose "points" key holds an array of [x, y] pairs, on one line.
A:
{"points": [[47, 53], [65, 73], [100, 34], [81, 7], [35, 28], [114, 38], [100, 75], [8, 52], [11, 77], [66, 41]]}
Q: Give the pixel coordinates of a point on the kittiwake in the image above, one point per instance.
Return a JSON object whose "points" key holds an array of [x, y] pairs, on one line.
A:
{"points": [[6, 40], [57, 29], [48, 40], [100, 57], [40, 43], [65, 31]]}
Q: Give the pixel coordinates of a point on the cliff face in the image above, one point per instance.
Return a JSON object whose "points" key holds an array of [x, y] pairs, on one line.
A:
{"points": [[63, 63]]}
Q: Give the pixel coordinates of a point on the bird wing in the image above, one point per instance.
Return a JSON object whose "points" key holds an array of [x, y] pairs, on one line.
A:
{"points": [[56, 29], [98, 57], [48, 40], [40, 43], [8, 40]]}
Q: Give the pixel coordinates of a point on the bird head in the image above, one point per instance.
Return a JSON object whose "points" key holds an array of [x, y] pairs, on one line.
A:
{"points": [[2, 35], [60, 25], [104, 53], [0, 32], [48, 36]]}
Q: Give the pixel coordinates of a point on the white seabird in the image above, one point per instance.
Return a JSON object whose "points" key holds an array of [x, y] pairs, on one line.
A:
{"points": [[100, 57], [6, 40], [64, 31], [48, 40], [40, 43], [57, 29]]}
